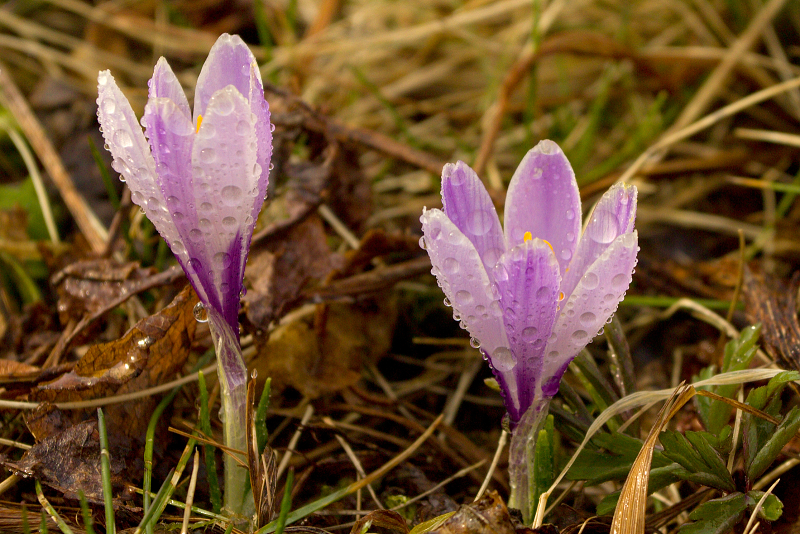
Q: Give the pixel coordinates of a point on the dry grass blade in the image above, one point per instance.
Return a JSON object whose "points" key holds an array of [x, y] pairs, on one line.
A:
{"points": [[263, 471], [629, 516]]}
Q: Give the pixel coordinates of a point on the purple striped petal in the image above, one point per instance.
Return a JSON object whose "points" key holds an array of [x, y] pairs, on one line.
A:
{"points": [[461, 275], [228, 63], [164, 84], [527, 279], [225, 182], [132, 158], [468, 205], [260, 108], [612, 216], [543, 199], [584, 313]]}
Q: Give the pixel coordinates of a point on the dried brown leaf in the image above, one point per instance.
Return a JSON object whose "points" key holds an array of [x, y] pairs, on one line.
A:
{"points": [[489, 515], [387, 519]]}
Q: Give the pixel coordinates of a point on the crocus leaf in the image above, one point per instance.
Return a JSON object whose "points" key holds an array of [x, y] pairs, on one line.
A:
{"points": [[760, 458], [621, 450], [717, 516], [702, 462], [544, 460]]}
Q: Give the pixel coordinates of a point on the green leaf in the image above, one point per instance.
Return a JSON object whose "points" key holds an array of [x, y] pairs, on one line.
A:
{"points": [[702, 462], [738, 355], [761, 457], [660, 477], [544, 460], [717, 516], [23, 195], [772, 508], [596, 467]]}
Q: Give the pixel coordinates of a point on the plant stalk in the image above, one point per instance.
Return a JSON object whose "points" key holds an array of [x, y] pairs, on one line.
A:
{"points": [[232, 374], [521, 456]]}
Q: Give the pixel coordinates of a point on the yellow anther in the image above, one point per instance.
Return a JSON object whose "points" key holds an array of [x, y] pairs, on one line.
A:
{"points": [[199, 122], [549, 245], [527, 236]]}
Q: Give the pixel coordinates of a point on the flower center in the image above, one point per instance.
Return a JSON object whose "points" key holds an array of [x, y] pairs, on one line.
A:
{"points": [[527, 236], [200, 121]]}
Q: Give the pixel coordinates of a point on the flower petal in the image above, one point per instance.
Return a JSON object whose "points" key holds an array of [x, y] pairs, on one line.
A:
{"points": [[543, 199], [225, 178], [260, 108], [132, 158], [613, 215], [164, 84], [468, 205], [527, 279], [228, 63], [461, 275], [594, 300]]}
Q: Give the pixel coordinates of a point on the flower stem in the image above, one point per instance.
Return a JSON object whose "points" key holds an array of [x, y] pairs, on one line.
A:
{"points": [[232, 375], [521, 456]]}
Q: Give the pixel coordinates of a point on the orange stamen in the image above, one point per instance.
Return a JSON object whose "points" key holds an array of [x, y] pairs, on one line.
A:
{"points": [[199, 122]]}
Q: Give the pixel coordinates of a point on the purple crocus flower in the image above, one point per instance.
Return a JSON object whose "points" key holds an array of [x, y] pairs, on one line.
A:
{"points": [[534, 294], [202, 180]]}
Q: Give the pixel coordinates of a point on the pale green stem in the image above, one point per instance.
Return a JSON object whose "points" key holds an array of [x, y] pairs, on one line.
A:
{"points": [[232, 374], [521, 454]]}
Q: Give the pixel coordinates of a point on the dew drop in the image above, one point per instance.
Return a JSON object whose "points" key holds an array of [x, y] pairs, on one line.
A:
{"points": [[537, 173], [422, 243], [206, 206], [205, 225], [474, 343], [207, 131], [579, 336], [451, 265], [123, 139], [588, 318], [619, 282], [231, 194], [480, 222], [447, 302], [495, 308], [271, 127], [109, 106], [229, 222], [153, 204], [178, 216], [195, 234], [566, 254], [570, 237], [256, 170], [503, 359], [463, 298], [591, 280], [137, 198], [222, 259], [242, 127], [529, 334], [207, 155], [543, 293], [570, 214], [195, 264], [223, 103], [178, 247], [500, 273], [603, 227]]}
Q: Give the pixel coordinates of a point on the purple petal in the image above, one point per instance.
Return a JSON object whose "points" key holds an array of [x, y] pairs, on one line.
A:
{"points": [[469, 207], [613, 215], [164, 84], [132, 158], [584, 313], [527, 279], [543, 199], [225, 182], [171, 137], [228, 63], [260, 108], [462, 277]]}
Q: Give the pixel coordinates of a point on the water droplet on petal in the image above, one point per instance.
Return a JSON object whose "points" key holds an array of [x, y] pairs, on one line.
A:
{"points": [[207, 155], [503, 359], [447, 302], [422, 243], [603, 227], [619, 282], [590, 280], [537, 173], [529, 334], [451, 265], [463, 298], [480, 221], [195, 264], [474, 343], [222, 259], [578, 336], [206, 131], [195, 234], [122, 138], [242, 127], [588, 318], [231, 194], [109, 106], [543, 293], [229, 222], [271, 127], [570, 214], [222, 102]]}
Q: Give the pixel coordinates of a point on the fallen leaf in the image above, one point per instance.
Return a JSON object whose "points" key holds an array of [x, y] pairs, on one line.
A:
{"points": [[352, 335], [489, 515]]}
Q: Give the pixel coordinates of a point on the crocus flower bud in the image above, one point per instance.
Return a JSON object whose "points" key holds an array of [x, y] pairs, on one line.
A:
{"points": [[201, 179], [535, 293]]}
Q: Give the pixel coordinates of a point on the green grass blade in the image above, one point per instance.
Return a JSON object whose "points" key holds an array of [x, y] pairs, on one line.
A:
{"points": [[88, 524], [208, 450], [286, 504], [50, 510], [105, 472]]}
